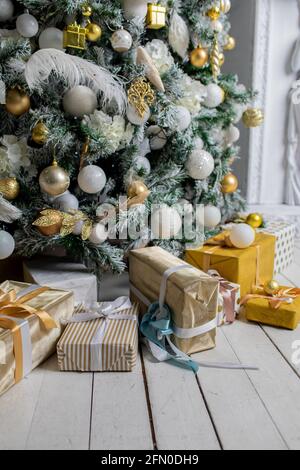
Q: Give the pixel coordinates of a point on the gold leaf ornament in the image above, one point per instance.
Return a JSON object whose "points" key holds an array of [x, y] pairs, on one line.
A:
{"points": [[70, 220], [141, 95]]}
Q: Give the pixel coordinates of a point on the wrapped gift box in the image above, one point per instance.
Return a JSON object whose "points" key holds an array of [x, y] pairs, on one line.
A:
{"points": [[286, 316], [64, 275], [191, 294], [106, 343], [229, 298], [27, 338], [285, 234], [247, 267]]}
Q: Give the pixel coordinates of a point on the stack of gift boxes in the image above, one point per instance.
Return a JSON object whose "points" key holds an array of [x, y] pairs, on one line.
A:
{"points": [[176, 304]]}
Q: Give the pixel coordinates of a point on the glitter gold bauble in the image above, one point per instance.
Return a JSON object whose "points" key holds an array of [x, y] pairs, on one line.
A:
{"points": [[271, 287], [49, 222], [54, 180], [9, 188], [214, 13], [253, 117], [230, 43], [229, 183], [40, 133], [255, 220], [93, 32], [199, 57], [17, 102]]}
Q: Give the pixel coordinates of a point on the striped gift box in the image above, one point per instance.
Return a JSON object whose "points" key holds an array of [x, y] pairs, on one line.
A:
{"points": [[104, 344]]}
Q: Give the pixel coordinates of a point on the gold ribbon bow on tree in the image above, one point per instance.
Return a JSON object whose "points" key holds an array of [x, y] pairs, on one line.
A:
{"points": [[49, 217], [283, 295]]}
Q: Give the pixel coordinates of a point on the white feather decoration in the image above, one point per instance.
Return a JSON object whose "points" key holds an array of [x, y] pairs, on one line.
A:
{"points": [[76, 71], [8, 212], [179, 36]]}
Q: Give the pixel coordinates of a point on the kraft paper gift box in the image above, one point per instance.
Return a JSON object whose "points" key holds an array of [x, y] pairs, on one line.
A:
{"points": [[286, 316], [101, 338], [191, 295], [247, 267], [30, 326], [285, 234]]}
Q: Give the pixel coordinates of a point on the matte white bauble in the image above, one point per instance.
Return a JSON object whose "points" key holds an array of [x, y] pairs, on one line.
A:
{"points": [[182, 118], [214, 96], [66, 202], [134, 9], [216, 134], [51, 38], [6, 10], [232, 134], [142, 163], [200, 164], [91, 179], [134, 117], [77, 230], [7, 244], [217, 26], [242, 235], [98, 234], [27, 26], [121, 40], [79, 101], [198, 143], [165, 223], [157, 136], [212, 216]]}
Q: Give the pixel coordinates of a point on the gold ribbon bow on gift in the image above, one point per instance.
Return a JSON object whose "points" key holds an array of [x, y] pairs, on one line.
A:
{"points": [[283, 295], [13, 307]]}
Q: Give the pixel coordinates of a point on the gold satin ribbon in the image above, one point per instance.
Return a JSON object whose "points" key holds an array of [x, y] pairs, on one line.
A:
{"points": [[275, 301], [12, 306]]}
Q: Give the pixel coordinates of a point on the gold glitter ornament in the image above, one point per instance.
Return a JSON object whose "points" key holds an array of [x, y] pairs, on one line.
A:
{"points": [[141, 95], [9, 188], [49, 222], [214, 13], [230, 43], [253, 117], [40, 133]]}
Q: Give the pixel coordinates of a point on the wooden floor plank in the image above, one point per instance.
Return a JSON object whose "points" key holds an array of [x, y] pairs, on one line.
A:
{"points": [[180, 417], [120, 418], [240, 416]]}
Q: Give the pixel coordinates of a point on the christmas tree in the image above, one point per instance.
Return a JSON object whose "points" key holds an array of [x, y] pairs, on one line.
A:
{"points": [[113, 110]]}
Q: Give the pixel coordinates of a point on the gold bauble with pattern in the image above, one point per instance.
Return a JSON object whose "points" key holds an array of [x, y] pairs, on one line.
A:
{"points": [[253, 117], [93, 32], [225, 6], [54, 180], [199, 57], [49, 222], [271, 287], [40, 133], [17, 101], [229, 183], [255, 220], [214, 13], [9, 188], [230, 43]]}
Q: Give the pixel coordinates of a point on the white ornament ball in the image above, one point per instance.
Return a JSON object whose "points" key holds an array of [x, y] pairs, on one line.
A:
{"points": [[214, 96], [216, 134], [198, 143], [134, 9], [142, 163], [242, 235], [144, 147], [165, 223], [77, 230], [51, 38], [91, 179], [182, 118], [6, 10], [134, 117], [27, 26], [232, 134], [157, 137], [217, 26], [212, 216], [66, 201], [121, 40], [79, 101], [98, 234], [200, 164], [238, 110], [7, 244]]}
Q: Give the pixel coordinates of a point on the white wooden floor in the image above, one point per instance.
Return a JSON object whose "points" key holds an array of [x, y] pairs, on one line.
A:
{"points": [[159, 406]]}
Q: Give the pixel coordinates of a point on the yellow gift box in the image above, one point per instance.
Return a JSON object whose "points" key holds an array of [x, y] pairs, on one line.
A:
{"points": [[247, 267], [287, 315]]}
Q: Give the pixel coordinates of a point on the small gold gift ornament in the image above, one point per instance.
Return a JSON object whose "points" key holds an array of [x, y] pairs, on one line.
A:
{"points": [[156, 16], [75, 36]]}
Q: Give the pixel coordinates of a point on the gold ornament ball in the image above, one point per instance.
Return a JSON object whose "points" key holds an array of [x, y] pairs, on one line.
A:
{"points": [[199, 57], [40, 133], [230, 44], [271, 287], [229, 183], [9, 188], [221, 59], [253, 117], [87, 11], [255, 220], [136, 188], [93, 32], [214, 13], [54, 180], [17, 102], [54, 226]]}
